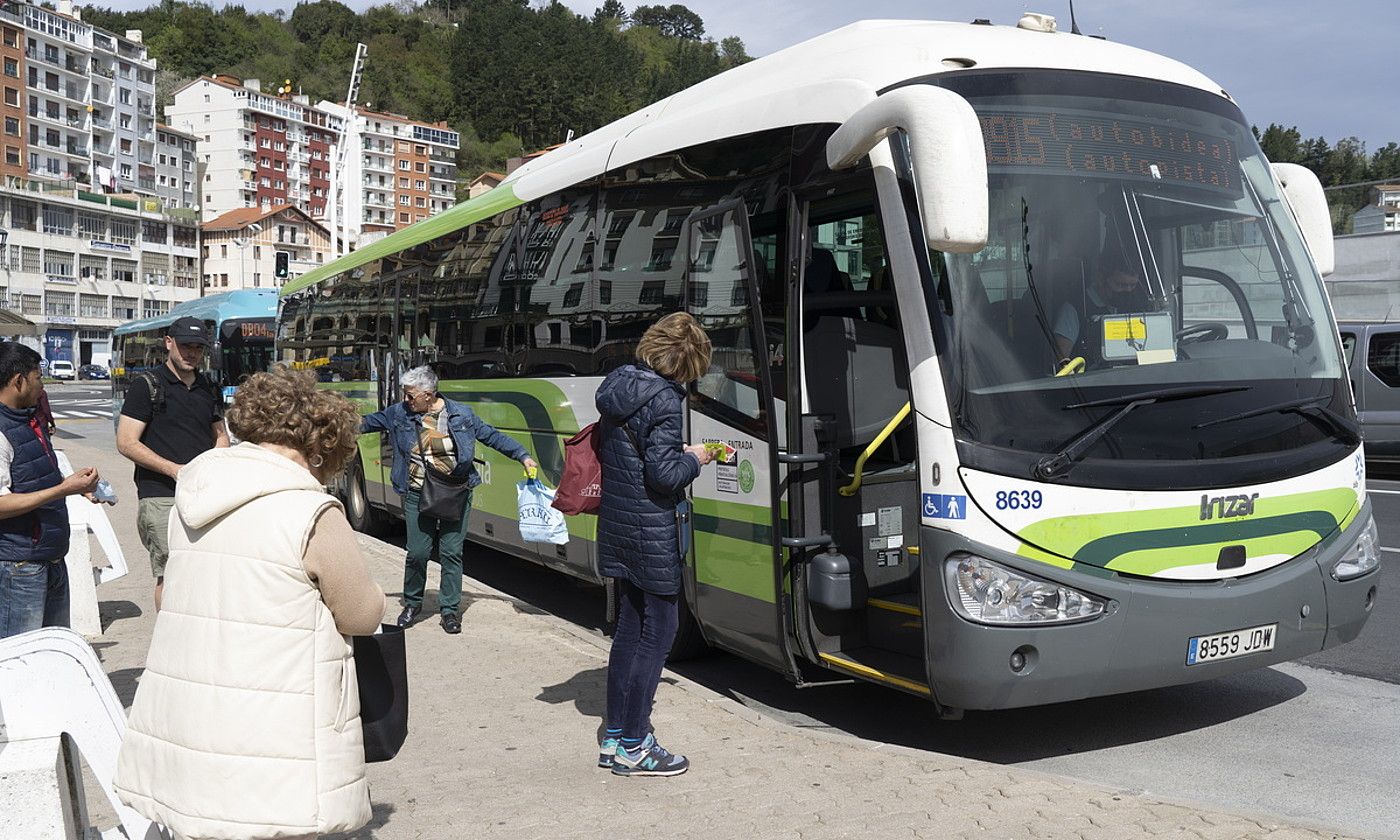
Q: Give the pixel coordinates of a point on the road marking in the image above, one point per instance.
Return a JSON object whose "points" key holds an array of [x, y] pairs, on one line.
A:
{"points": [[1385, 492], [1391, 550]]}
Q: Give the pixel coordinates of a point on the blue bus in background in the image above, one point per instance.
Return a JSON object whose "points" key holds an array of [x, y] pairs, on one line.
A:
{"points": [[243, 323]]}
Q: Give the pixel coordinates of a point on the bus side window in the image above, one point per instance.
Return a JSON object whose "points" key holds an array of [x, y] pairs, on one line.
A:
{"points": [[554, 310]]}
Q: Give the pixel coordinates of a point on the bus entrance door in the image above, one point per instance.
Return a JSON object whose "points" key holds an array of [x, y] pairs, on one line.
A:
{"points": [[732, 573]]}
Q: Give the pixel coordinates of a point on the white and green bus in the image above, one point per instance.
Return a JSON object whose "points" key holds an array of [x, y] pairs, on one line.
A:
{"points": [[966, 467]]}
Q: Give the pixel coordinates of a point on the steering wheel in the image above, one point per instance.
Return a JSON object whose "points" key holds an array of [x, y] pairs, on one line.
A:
{"points": [[1204, 331]]}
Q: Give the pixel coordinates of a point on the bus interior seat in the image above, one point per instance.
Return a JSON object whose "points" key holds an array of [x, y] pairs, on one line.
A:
{"points": [[822, 276], [857, 371]]}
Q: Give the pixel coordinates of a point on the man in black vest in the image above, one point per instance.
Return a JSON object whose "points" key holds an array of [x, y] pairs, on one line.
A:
{"points": [[33, 506], [170, 415]]}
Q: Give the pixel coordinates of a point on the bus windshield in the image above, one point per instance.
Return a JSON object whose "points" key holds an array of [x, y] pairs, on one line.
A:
{"points": [[1137, 243], [245, 348]]}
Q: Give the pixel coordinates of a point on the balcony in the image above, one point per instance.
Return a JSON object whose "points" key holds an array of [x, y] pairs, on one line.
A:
{"points": [[79, 149], [105, 72]]}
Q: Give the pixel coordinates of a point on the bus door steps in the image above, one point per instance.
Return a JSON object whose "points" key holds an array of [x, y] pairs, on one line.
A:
{"points": [[895, 623], [881, 666]]}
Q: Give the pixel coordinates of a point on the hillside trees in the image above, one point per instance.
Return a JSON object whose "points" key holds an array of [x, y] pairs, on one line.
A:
{"points": [[1335, 166], [510, 76]]}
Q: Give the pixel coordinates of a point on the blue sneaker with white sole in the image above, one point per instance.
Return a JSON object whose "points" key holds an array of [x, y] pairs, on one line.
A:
{"points": [[651, 759], [606, 751]]}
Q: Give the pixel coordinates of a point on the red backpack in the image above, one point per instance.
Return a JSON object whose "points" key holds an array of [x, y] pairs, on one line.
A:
{"points": [[581, 487]]}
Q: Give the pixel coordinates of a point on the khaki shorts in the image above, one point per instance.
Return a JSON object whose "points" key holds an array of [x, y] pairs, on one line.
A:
{"points": [[153, 526]]}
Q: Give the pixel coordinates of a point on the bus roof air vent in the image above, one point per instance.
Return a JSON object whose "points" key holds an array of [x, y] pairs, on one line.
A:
{"points": [[959, 63], [1036, 22]]}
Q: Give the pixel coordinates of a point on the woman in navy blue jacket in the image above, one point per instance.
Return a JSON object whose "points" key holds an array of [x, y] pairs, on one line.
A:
{"points": [[646, 468], [430, 431]]}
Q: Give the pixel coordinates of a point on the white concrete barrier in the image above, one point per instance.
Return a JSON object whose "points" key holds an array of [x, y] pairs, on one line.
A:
{"points": [[51, 683], [84, 517], [39, 799]]}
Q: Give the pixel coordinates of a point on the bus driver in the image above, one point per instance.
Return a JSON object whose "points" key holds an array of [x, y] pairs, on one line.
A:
{"points": [[1117, 289]]}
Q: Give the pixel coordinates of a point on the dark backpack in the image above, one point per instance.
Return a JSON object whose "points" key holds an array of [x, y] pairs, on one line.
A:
{"points": [[157, 392], [580, 488]]}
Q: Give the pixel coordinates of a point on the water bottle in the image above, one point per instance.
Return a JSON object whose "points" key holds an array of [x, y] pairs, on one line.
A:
{"points": [[104, 492]]}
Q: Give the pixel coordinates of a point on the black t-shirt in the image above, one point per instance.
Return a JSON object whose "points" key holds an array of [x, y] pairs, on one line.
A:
{"points": [[179, 432]]}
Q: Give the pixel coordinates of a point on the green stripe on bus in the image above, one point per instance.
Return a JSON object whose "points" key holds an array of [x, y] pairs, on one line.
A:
{"points": [[1292, 523], [484, 206], [733, 564]]}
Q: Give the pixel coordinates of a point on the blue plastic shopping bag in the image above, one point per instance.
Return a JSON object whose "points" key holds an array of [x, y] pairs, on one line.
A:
{"points": [[539, 521]]}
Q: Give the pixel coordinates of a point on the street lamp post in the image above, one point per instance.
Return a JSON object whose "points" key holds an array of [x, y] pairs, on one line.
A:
{"points": [[253, 229]]}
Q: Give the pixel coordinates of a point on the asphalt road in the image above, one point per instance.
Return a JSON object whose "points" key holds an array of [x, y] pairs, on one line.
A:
{"points": [[1312, 741]]}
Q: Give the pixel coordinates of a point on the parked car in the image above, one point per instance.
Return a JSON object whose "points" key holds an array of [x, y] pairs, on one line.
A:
{"points": [[92, 372], [1372, 352], [62, 369]]}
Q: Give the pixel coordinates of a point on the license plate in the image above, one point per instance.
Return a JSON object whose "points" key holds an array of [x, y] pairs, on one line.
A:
{"points": [[1229, 645]]}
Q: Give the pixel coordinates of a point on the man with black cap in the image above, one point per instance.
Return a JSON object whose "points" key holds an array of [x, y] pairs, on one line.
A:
{"points": [[172, 413]]}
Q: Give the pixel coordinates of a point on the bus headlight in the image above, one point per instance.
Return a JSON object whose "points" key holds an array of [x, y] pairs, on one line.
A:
{"points": [[990, 593], [1362, 557]]}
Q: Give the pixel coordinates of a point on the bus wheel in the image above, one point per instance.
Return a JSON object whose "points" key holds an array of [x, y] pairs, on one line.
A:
{"points": [[690, 641], [362, 515]]}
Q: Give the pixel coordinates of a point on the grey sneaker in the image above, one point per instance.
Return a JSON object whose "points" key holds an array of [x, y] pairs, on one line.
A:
{"points": [[651, 759]]}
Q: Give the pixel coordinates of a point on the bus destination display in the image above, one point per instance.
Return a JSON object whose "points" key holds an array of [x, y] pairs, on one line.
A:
{"points": [[1095, 144]]}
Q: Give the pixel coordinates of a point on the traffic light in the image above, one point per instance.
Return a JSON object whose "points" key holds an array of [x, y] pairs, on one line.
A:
{"points": [[283, 260]]}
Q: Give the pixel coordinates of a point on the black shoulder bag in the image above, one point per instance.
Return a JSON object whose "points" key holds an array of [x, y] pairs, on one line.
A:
{"points": [[444, 495]]}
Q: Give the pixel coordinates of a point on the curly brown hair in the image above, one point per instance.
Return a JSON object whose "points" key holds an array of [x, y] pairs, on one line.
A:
{"points": [[676, 347], [284, 407]]}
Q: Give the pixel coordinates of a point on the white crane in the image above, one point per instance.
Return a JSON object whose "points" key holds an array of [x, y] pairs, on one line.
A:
{"points": [[338, 152]]}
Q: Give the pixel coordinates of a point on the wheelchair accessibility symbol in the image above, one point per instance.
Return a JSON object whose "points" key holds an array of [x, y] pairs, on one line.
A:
{"points": [[944, 506]]}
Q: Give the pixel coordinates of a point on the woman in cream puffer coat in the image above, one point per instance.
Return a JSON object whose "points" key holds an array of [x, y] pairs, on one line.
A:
{"points": [[246, 721]]}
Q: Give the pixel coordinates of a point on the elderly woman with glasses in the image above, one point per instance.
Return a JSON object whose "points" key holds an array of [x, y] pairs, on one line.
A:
{"points": [[431, 432]]}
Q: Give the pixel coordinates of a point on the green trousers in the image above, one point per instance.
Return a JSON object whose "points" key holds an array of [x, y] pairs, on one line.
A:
{"points": [[425, 532]]}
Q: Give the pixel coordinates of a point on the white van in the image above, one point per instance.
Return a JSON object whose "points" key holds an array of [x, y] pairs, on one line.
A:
{"points": [[62, 369]]}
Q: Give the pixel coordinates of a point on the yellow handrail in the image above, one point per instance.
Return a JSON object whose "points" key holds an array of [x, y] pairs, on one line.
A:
{"points": [[1075, 365], [850, 489]]}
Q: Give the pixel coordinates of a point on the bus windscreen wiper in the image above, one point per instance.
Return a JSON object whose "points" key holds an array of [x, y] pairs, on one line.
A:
{"points": [[1312, 408], [1052, 465]]}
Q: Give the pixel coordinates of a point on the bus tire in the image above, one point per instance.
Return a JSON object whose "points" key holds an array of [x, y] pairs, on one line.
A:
{"points": [[363, 516], [690, 640]]}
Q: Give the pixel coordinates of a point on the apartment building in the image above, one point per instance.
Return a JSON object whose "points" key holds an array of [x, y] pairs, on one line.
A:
{"points": [[177, 168], [397, 171], [258, 150], [87, 238], [79, 264], [240, 248], [1382, 212]]}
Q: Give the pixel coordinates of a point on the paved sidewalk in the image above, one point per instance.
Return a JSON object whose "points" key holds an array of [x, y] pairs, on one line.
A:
{"points": [[503, 721]]}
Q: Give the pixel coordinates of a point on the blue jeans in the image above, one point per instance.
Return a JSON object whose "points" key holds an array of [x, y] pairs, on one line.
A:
{"points": [[646, 626], [32, 595]]}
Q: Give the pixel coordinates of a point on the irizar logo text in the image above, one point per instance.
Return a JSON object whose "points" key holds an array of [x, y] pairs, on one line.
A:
{"points": [[1226, 507]]}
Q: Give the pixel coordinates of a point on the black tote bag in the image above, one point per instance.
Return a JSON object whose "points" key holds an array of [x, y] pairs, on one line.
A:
{"points": [[381, 669]]}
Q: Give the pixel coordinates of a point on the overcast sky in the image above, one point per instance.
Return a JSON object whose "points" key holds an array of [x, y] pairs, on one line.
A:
{"points": [[1326, 67]]}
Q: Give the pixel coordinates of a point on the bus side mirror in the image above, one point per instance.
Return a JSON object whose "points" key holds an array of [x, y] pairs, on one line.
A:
{"points": [[215, 356], [945, 151], [1304, 194]]}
